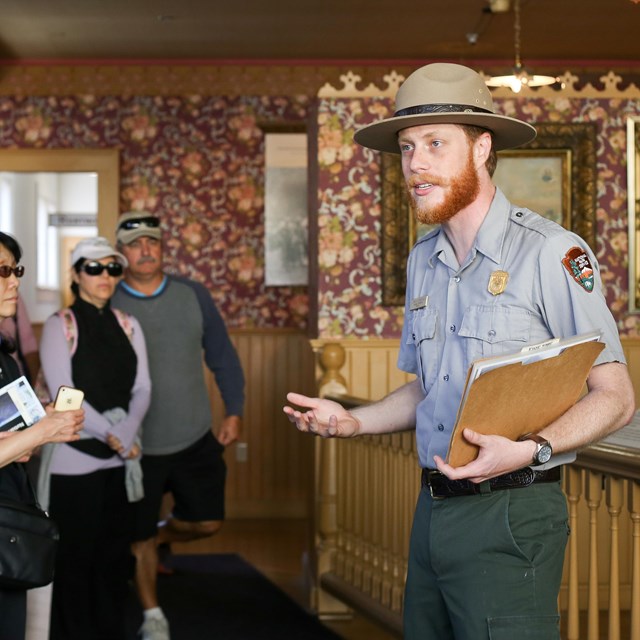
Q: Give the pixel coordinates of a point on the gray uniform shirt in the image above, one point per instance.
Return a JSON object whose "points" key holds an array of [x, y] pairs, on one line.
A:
{"points": [[451, 317]]}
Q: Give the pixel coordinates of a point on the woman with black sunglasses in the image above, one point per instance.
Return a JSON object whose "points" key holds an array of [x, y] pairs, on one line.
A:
{"points": [[16, 446], [101, 351]]}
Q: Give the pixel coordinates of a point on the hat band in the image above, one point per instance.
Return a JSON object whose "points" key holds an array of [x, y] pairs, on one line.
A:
{"points": [[439, 108]]}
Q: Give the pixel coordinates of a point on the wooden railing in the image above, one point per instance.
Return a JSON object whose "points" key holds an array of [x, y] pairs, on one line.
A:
{"points": [[367, 492], [603, 558]]}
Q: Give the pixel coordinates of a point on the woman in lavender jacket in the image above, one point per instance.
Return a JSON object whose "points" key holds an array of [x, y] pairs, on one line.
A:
{"points": [[101, 351]]}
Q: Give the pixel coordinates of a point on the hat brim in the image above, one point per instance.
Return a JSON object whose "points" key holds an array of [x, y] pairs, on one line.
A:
{"points": [[128, 236], [99, 255], [508, 133]]}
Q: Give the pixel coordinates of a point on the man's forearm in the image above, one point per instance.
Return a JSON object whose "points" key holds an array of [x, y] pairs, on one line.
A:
{"points": [[608, 406], [395, 412]]}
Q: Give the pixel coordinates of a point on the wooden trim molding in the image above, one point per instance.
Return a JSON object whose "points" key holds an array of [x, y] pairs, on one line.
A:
{"points": [[609, 85], [104, 162], [272, 78]]}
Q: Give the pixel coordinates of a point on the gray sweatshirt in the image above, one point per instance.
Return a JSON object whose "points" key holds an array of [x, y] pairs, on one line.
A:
{"points": [[181, 324]]}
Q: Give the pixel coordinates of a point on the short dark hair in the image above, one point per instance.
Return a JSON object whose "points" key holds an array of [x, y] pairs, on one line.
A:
{"points": [[7, 345], [473, 133], [11, 245], [77, 267]]}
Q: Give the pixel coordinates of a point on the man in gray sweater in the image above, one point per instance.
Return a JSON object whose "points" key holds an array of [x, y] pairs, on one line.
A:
{"points": [[180, 453]]}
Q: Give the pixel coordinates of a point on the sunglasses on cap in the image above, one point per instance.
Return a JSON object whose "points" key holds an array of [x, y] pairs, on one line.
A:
{"points": [[114, 269], [151, 221], [6, 271]]}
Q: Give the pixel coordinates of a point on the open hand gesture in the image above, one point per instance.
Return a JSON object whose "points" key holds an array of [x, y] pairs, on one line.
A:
{"points": [[324, 418]]}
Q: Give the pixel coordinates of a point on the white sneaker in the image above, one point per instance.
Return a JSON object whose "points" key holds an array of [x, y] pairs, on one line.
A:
{"points": [[155, 629]]}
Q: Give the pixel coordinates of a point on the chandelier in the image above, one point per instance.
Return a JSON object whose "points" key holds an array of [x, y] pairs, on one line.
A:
{"points": [[519, 76]]}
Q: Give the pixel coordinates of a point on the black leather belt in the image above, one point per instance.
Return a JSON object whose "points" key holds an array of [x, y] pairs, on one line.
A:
{"points": [[441, 487]]}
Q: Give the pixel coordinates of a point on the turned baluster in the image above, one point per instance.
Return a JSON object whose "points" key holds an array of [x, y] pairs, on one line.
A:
{"points": [[593, 493], [573, 489], [614, 487], [634, 510]]}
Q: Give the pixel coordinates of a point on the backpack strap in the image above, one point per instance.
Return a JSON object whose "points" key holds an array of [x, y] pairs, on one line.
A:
{"points": [[69, 328], [70, 331], [124, 320]]}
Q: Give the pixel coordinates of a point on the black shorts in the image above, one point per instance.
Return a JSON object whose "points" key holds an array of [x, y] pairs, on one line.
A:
{"points": [[195, 477]]}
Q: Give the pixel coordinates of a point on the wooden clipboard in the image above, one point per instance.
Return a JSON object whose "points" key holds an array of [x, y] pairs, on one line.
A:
{"points": [[520, 398]]}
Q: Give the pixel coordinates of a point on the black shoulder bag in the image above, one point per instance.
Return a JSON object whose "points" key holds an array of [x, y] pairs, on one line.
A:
{"points": [[28, 542]]}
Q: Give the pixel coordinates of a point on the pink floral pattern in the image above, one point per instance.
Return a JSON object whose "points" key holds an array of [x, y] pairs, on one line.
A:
{"points": [[349, 214], [195, 161]]}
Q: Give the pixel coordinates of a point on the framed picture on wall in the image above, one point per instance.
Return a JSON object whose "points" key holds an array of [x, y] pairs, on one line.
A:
{"points": [[285, 209]]}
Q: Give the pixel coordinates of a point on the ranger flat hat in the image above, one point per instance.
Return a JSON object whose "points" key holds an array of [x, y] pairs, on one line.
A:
{"points": [[444, 93]]}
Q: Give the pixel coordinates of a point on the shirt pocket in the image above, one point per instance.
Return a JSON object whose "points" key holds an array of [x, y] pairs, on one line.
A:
{"points": [[494, 330], [424, 337]]}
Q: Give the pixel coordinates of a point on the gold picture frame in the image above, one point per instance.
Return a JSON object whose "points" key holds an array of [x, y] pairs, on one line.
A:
{"points": [[569, 151], [633, 209]]}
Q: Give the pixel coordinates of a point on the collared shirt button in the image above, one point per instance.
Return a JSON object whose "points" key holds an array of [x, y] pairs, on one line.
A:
{"points": [[457, 279], [445, 377], [492, 333], [452, 328], [413, 337], [519, 214], [440, 427]]}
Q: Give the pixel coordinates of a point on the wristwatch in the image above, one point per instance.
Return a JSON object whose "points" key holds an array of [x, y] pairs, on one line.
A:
{"points": [[543, 450]]}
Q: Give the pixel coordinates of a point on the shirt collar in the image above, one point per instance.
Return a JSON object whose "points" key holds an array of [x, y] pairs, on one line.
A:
{"points": [[88, 307], [489, 239], [491, 234], [138, 294]]}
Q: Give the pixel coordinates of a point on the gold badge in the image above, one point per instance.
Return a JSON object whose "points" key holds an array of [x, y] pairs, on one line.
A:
{"points": [[498, 282]]}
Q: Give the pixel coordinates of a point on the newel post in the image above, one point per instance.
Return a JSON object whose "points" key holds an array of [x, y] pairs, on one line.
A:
{"points": [[332, 357]]}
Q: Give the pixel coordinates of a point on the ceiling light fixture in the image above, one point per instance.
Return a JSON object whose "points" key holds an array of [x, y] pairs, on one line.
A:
{"points": [[519, 76]]}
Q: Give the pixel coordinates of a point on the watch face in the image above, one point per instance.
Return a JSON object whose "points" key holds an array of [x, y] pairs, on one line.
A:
{"points": [[544, 454]]}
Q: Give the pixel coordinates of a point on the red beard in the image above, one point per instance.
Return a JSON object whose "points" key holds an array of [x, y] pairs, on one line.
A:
{"points": [[462, 191]]}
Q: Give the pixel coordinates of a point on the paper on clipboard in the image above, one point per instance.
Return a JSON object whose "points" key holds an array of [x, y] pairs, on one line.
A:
{"points": [[522, 392]]}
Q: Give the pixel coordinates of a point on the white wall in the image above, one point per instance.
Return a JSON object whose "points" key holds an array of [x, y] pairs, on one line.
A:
{"points": [[68, 193]]}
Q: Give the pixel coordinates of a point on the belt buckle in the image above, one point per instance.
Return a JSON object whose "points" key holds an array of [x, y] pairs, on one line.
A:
{"points": [[431, 474]]}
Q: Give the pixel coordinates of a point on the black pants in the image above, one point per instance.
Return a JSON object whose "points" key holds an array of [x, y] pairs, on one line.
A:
{"points": [[94, 561]]}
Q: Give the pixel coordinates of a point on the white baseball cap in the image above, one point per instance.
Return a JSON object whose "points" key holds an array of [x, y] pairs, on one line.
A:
{"points": [[96, 249]]}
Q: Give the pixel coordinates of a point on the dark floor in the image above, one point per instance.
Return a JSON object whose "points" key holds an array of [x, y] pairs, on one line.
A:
{"points": [[278, 548]]}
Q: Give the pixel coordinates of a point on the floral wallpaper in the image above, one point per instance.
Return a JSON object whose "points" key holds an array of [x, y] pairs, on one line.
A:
{"points": [[195, 161], [349, 209]]}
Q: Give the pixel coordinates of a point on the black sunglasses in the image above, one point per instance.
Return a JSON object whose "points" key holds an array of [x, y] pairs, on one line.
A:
{"points": [[6, 271], [150, 221], [114, 269]]}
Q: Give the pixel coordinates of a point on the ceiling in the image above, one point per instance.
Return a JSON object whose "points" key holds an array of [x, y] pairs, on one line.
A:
{"points": [[322, 30]]}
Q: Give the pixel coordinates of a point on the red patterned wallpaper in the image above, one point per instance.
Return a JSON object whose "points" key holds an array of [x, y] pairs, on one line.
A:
{"points": [[349, 218], [197, 162]]}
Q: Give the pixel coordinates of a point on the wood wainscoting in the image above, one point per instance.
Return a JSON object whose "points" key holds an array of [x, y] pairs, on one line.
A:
{"points": [[367, 489], [276, 479]]}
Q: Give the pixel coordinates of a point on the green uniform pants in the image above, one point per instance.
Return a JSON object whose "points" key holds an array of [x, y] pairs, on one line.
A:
{"points": [[487, 567]]}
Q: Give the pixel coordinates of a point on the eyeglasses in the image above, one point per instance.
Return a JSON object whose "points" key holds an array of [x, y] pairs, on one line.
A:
{"points": [[6, 271], [151, 222], [114, 269]]}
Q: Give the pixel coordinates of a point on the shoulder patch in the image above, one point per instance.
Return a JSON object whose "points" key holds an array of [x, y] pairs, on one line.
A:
{"points": [[577, 263]]}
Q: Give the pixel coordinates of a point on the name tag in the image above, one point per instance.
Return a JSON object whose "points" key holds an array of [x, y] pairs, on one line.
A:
{"points": [[419, 303]]}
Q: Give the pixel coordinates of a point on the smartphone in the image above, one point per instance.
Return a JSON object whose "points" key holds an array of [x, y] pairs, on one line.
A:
{"points": [[68, 399]]}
